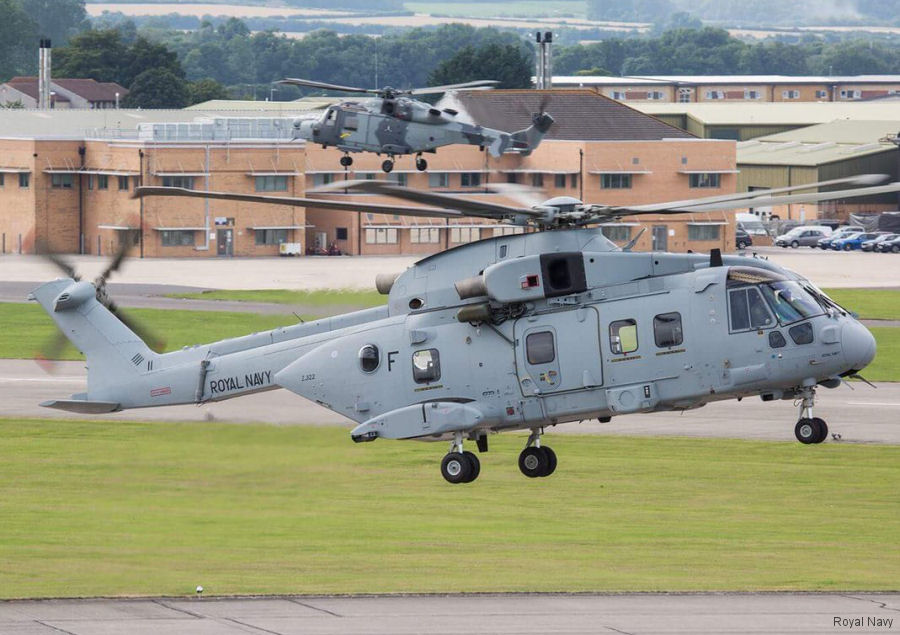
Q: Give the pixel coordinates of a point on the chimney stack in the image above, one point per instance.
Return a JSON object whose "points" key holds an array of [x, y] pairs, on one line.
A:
{"points": [[544, 75], [44, 75]]}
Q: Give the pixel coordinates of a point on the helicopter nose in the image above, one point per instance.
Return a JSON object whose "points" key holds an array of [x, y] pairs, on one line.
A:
{"points": [[858, 344]]}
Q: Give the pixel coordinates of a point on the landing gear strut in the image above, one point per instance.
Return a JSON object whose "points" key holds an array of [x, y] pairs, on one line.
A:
{"points": [[387, 165], [537, 460], [346, 160], [460, 466], [421, 164], [810, 429]]}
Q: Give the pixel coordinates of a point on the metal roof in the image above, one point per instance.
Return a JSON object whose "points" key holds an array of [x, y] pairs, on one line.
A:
{"points": [[580, 114], [817, 145], [744, 113]]}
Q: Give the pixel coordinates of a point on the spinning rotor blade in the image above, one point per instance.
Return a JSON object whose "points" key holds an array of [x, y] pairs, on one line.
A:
{"points": [[522, 194], [431, 90], [345, 206], [153, 341], [51, 351], [863, 179], [480, 209], [311, 84]]}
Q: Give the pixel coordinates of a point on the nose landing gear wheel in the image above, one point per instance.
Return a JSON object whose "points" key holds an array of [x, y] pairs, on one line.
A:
{"points": [[421, 164], [811, 430], [387, 165]]}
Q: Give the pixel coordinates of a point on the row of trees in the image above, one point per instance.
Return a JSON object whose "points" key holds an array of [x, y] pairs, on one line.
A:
{"points": [[23, 22]]}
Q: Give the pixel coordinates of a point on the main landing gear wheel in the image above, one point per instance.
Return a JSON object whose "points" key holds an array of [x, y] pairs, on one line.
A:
{"points": [[346, 161], [474, 464], [535, 462], [551, 460], [456, 468], [421, 164], [387, 165]]}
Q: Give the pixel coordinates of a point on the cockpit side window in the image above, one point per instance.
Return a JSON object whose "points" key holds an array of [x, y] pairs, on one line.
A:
{"points": [[623, 337], [329, 117], [426, 365], [748, 310]]}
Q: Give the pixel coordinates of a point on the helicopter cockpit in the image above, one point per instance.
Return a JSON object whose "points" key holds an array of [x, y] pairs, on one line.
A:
{"points": [[761, 299]]}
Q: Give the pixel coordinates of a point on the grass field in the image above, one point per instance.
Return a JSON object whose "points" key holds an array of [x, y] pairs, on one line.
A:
{"points": [[870, 304], [156, 509], [26, 328], [351, 298]]}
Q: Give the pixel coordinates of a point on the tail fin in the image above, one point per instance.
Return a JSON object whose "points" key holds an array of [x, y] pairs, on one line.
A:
{"points": [[525, 141], [115, 354]]}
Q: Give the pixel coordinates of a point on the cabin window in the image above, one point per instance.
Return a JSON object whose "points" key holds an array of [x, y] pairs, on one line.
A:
{"points": [[776, 339], [369, 358], [667, 330], [623, 337], [539, 348], [802, 333], [748, 310], [426, 366], [351, 122]]}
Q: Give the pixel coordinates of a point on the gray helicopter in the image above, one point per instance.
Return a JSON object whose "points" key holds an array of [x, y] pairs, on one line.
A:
{"points": [[515, 332], [394, 124]]}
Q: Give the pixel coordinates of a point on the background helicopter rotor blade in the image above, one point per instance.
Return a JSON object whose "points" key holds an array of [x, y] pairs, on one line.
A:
{"points": [[522, 194], [311, 84], [431, 90], [345, 205]]}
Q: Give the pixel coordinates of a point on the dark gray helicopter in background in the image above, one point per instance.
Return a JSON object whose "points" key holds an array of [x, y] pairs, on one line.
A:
{"points": [[514, 332], [394, 124]]}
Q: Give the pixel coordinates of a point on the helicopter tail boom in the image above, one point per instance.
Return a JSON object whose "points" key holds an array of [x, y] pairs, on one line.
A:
{"points": [[523, 141]]}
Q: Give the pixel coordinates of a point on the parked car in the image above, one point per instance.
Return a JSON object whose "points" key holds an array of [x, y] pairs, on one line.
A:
{"points": [[853, 241], [805, 236], [841, 232], [742, 239], [870, 245], [886, 246]]}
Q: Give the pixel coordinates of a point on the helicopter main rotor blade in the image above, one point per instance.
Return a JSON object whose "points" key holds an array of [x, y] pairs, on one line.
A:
{"points": [[480, 209], [345, 206], [311, 84], [860, 180], [431, 90]]}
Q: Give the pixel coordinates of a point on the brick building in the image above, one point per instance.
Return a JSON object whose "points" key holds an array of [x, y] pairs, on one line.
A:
{"points": [[68, 176]]}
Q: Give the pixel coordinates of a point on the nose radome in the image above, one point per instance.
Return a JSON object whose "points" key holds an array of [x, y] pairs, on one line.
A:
{"points": [[858, 344]]}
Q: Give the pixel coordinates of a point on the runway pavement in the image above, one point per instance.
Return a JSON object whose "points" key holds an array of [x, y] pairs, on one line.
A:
{"points": [[860, 415], [625, 614]]}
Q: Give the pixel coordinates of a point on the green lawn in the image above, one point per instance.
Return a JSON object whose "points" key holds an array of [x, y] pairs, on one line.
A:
{"points": [[337, 297], [520, 9], [94, 508], [886, 366], [871, 304], [26, 328]]}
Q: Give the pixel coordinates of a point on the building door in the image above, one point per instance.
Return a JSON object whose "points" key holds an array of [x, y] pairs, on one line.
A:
{"points": [[660, 237], [322, 241], [225, 242]]}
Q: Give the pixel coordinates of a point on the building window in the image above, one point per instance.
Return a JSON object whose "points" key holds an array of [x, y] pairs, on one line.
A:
{"points": [[464, 234], [470, 179], [424, 235], [273, 183], [24, 179], [655, 95], [90, 181], [512, 177], [752, 94], [537, 180], [271, 236], [178, 238], [850, 94], [2, 179], [703, 232], [667, 330], [685, 94], [617, 233], [381, 236], [715, 94], [574, 181], [340, 233], [318, 179], [426, 366], [123, 183], [618, 95], [623, 337], [615, 181], [103, 182], [508, 231], [61, 181], [705, 180], [821, 94], [438, 179], [559, 180], [398, 178], [790, 94], [187, 182], [539, 348]]}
